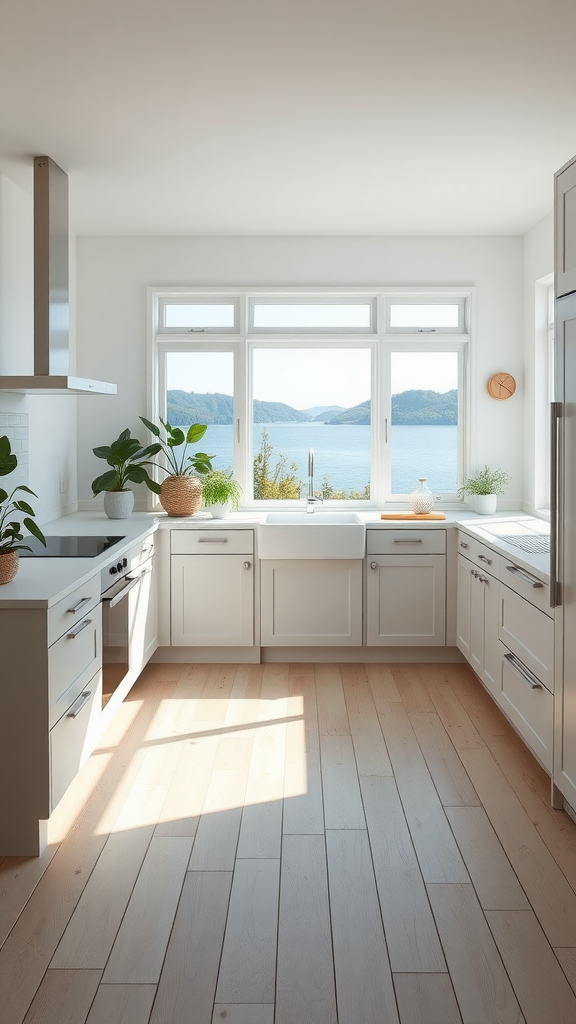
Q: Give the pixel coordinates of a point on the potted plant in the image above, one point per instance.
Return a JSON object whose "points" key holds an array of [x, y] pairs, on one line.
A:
{"points": [[181, 491], [220, 493], [128, 460], [483, 489], [10, 529]]}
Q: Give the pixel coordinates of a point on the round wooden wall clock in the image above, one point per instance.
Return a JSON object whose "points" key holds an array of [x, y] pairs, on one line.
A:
{"points": [[501, 386]]}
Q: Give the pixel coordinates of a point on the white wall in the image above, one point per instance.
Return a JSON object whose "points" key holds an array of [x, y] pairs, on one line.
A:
{"points": [[538, 263], [113, 274], [51, 420]]}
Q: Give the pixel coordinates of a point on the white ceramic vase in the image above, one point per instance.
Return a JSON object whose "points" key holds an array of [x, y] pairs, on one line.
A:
{"points": [[484, 504], [118, 504], [219, 511]]}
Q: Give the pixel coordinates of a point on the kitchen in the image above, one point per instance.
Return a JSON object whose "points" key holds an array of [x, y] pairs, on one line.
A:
{"points": [[111, 268]]}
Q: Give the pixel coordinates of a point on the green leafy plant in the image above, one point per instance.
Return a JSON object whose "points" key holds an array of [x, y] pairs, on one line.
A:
{"points": [[487, 481], [219, 488], [180, 463], [10, 529], [128, 460]]}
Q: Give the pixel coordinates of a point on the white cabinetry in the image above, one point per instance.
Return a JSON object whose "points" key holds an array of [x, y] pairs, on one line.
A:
{"points": [[311, 602], [51, 700], [477, 613], [406, 588], [526, 632], [212, 588]]}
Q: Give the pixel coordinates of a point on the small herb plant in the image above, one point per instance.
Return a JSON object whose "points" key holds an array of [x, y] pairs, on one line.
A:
{"points": [[10, 529], [128, 460], [219, 488], [179, 463], [487, 481]]}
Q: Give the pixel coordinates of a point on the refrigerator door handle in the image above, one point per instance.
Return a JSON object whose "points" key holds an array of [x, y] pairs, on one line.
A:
{"points": [[555, 592]]}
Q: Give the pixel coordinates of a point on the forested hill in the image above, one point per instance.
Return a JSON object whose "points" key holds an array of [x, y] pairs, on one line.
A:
{"points": [[416, 408], [411, 408], [186, 407]]}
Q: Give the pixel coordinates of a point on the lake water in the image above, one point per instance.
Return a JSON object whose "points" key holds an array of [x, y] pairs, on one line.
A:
{"points": [[342, 453]]}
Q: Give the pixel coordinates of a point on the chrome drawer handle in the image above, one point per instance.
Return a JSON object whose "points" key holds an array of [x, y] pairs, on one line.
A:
{"points": [[525, 577], [75, 708], [408, 541], [77, 607], [78, 629], [213, 540], [474, 572], [246, 565], [484, 559], [373, 565], [524, 673], [463, 544]]}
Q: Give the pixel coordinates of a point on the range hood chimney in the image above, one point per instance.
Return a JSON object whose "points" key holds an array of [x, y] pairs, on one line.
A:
{"points": [[51, 300]]}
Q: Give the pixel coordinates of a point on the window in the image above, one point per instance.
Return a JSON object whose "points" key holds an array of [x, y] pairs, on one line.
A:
{"points": [[379, 407], [544, 390], [421, 316]]}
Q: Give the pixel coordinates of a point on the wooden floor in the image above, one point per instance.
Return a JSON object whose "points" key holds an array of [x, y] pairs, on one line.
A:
{"points": [[304, 844]]}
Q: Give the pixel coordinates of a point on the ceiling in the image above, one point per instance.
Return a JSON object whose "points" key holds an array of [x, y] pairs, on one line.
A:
{"points": [[292, 117]]}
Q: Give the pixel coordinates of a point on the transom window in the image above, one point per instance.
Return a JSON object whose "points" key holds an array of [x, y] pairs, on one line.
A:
{"points": [[378, 408]]}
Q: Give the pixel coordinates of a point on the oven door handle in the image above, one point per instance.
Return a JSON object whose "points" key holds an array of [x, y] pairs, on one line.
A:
{"points": [[113, 596]]}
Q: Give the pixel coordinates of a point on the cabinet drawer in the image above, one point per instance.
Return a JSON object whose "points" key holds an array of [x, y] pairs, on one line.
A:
{"points": [[71, 658], [73, 739], [212, 542], [531, 711], [406, 542], [526, 584], [528, 633], [478, 553], [70, 610]]}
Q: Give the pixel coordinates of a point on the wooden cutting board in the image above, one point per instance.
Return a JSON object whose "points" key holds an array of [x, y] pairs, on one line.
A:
{"points": [[414, 517]]}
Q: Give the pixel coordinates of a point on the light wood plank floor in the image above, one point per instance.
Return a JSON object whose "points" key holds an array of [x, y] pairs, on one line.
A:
{"points": [[298, 844]]}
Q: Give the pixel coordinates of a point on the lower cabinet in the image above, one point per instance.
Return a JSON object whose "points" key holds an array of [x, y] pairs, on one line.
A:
{"points": [[406, 588], [311, 602], [212, 595], [477, 622]]}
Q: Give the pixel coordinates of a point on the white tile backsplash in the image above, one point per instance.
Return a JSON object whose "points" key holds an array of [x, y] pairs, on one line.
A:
{"points": [[15, 427]]}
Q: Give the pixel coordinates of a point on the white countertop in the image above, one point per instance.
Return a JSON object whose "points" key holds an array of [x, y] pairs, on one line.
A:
{"points": [[40, 582]]}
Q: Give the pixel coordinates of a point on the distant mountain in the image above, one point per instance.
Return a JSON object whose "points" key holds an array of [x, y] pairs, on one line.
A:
{"points": [[416, 408], [186, 407], [425, 408], [322, 413], [358, 415], [410, 408]]}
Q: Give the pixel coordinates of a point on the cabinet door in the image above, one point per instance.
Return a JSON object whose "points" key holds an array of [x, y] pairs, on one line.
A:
{"points": [[309, 602], [492, 662], [406, 597], [212, 599], [464, 598], [565, 230]]}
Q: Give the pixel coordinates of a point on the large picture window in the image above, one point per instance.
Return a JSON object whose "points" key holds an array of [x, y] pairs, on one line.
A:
{"points": [[380, 409]]}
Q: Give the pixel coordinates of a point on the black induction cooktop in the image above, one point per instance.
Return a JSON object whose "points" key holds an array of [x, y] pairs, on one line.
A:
{"points": [[68, 547]]}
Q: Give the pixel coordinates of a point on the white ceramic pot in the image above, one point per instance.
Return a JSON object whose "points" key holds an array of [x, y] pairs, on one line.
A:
{"points": [[219, 511], [118, 504], [484, 504]]}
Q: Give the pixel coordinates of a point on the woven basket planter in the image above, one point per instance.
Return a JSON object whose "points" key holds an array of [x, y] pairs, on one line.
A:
{"points": [[9, 565], [181, 495]]}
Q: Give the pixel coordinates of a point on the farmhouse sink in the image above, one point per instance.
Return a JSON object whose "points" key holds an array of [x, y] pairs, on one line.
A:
{"points": [[316, 535]]}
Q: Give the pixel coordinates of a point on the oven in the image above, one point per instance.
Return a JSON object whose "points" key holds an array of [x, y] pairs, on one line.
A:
{"points": [[128, 619]]}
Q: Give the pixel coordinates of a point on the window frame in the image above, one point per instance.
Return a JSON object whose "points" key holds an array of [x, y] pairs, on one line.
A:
{"points": [[381, 342], [427, 300]]}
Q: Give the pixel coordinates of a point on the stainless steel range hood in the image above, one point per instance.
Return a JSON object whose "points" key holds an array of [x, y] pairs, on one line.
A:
{"points": [[51, 293]]}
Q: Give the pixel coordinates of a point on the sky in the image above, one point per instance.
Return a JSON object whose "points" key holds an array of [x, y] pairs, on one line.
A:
{"points": [[306, 377]]}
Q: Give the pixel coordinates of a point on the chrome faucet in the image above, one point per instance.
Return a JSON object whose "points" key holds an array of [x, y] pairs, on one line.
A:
{"points": [[311, 499]]}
